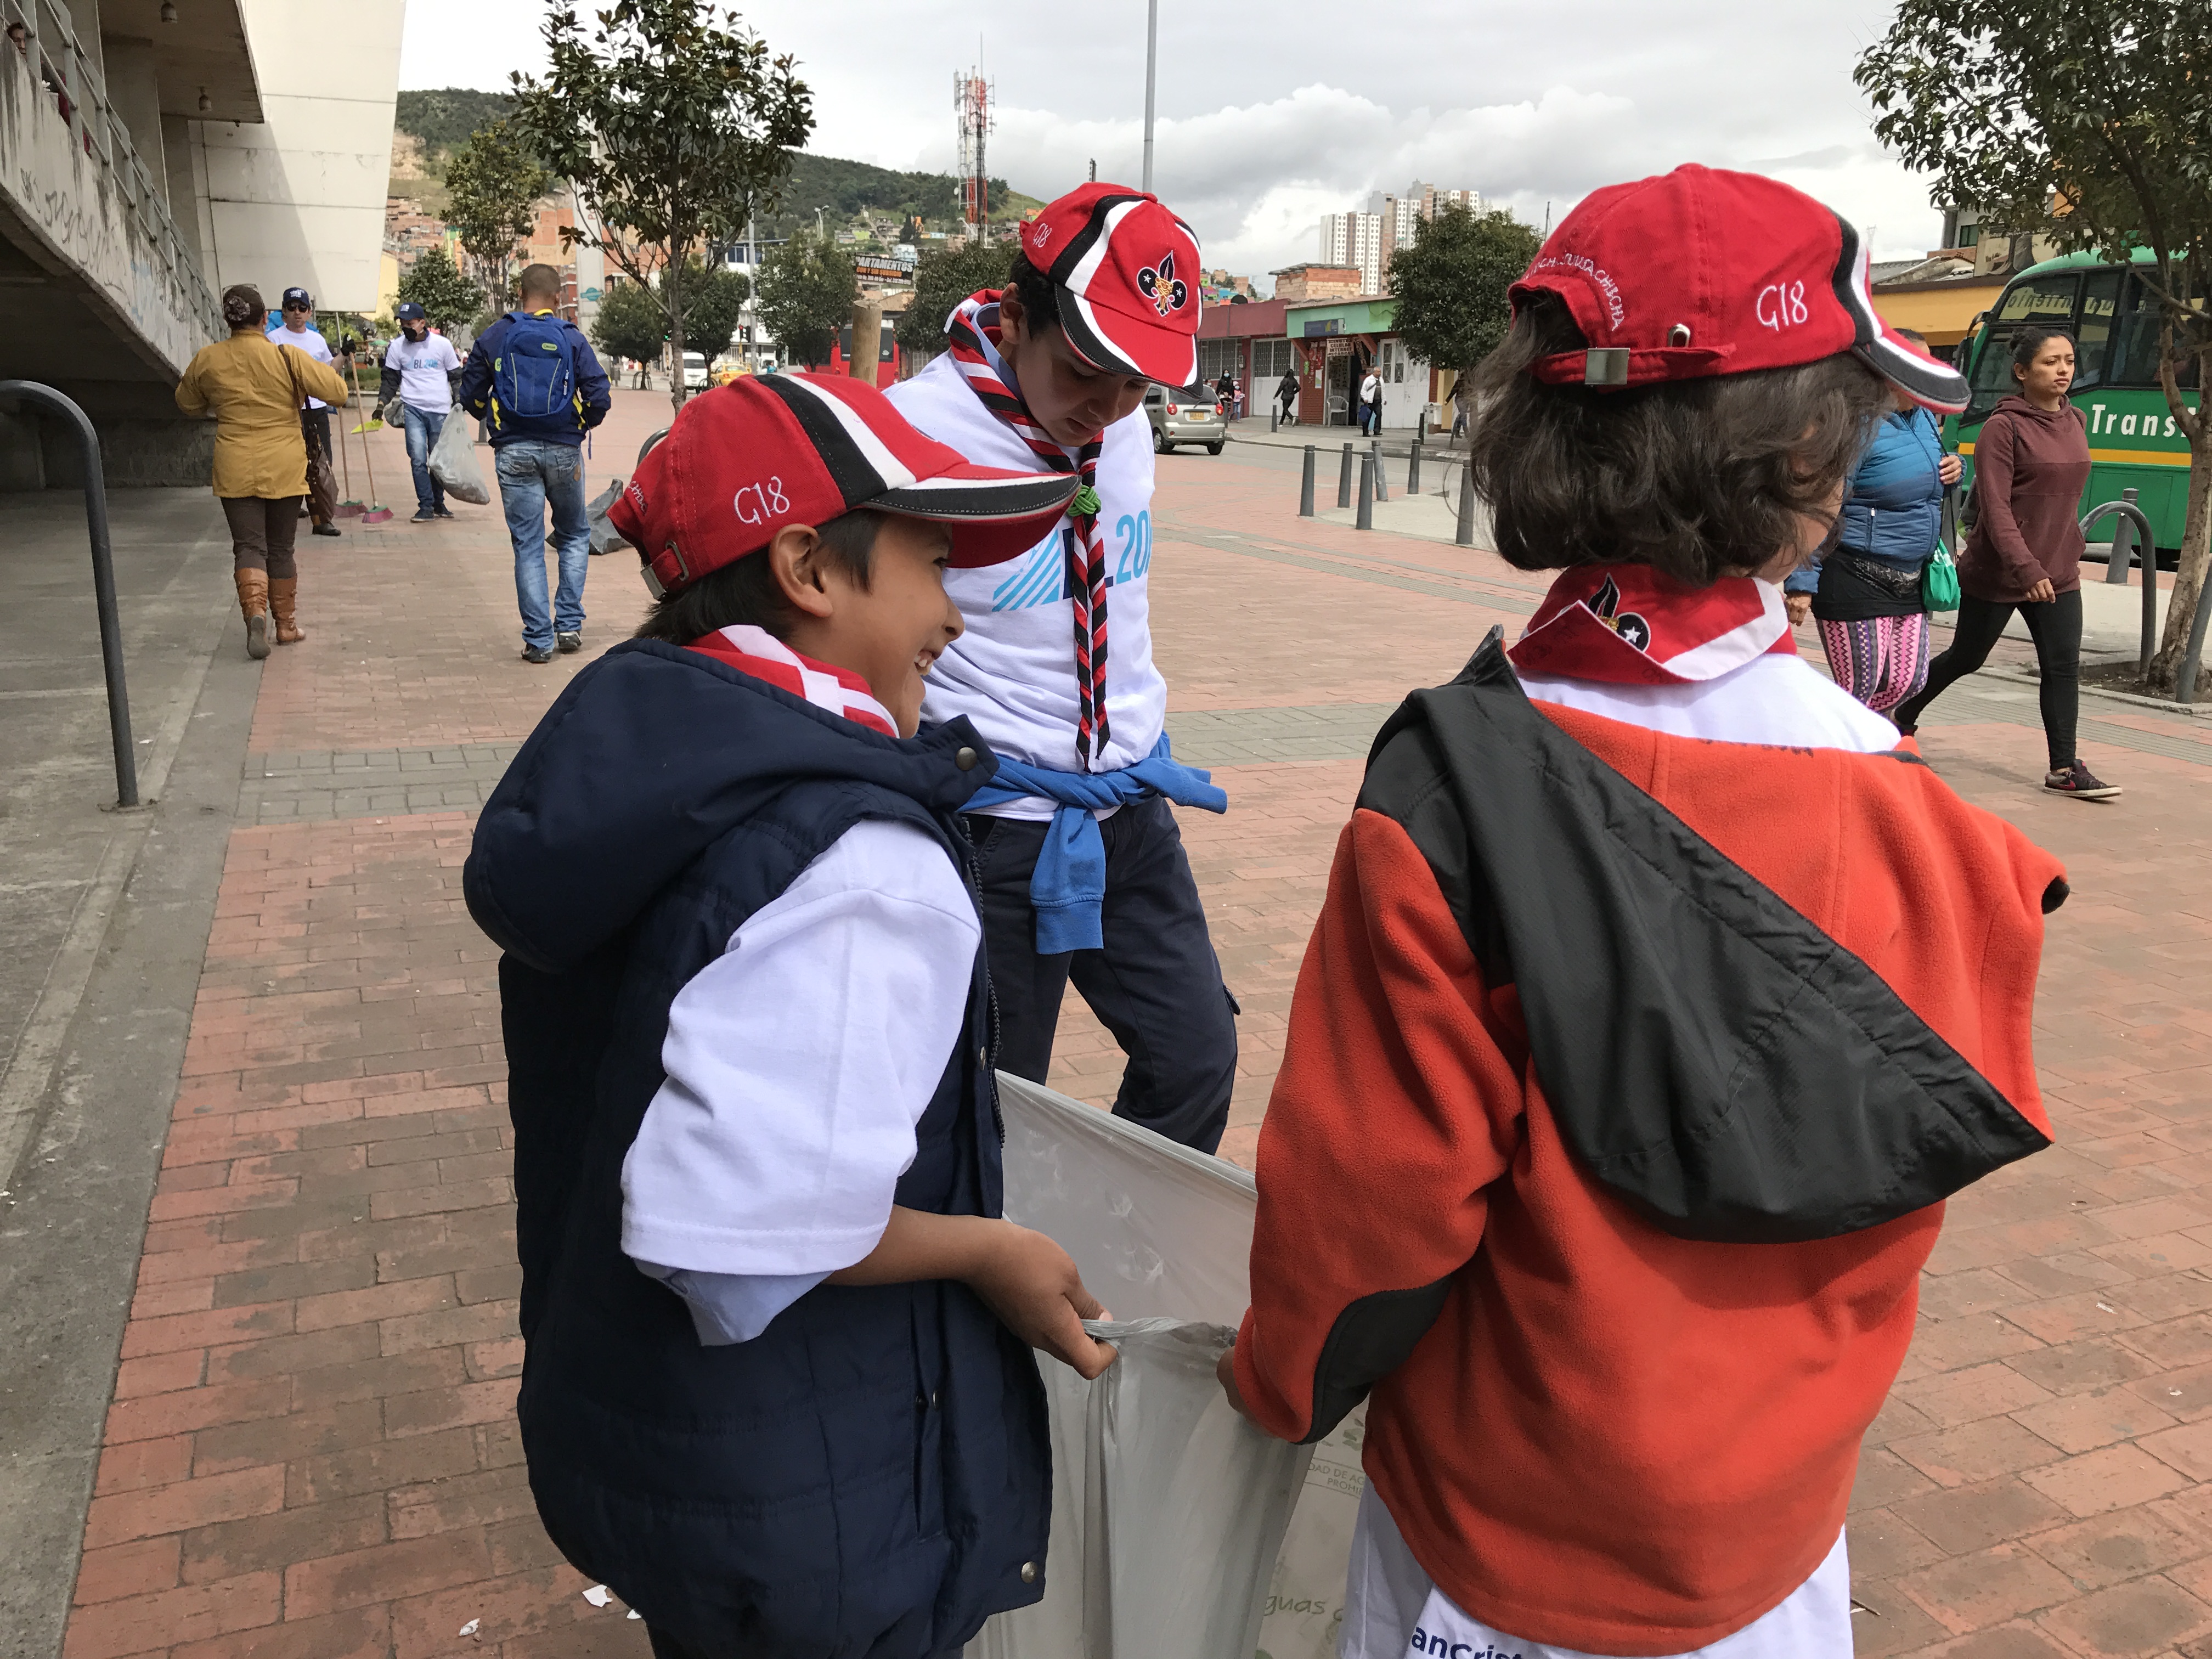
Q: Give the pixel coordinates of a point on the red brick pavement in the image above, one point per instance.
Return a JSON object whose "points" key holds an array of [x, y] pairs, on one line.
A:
{"points": [[311, 1451]]}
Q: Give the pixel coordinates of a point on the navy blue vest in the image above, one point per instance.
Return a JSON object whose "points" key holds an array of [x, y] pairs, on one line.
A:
{"points": [[870, 1477]]}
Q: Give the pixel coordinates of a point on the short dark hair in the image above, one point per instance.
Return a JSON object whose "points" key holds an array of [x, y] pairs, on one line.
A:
{"points": [[1038, 292], [241, 304], [745, 592], [540, 280], [2031, 340], [1700, 478]]}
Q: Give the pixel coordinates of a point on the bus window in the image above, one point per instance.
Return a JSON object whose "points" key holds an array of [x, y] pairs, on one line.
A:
{"points": [[2101, 299], [2134, 354], [2045, 300], [1992, 376]]}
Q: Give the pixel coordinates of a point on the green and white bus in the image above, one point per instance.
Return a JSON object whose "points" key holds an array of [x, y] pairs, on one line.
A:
{"points": [[2134, 443]]}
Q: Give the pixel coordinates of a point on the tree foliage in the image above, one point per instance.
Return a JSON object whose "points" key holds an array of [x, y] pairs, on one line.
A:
{"points": [[435, 283], [674, 124], [2089, 121], [1451, 284], [717, 301], [629, 323], [943, 277], [492, 187], [807, 289]]}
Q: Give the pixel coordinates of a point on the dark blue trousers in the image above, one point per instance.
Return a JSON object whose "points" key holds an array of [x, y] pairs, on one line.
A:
{"points": [[1156, 985]]}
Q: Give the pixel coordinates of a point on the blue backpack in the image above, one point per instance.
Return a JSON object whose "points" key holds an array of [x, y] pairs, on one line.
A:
{"points": [[535, 374]]}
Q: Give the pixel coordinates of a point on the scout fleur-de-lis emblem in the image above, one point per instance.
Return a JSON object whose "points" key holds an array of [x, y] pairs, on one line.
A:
{"points": [[1605, 606], [1159, 284]]}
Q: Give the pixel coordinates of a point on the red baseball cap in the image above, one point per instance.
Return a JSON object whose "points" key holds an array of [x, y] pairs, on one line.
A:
{"points": [[1699, 272], [1127, 272], [745, 459]]}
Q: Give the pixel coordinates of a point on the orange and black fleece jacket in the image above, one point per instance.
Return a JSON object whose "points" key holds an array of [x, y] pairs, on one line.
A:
{"points": [[1626, 1078]]}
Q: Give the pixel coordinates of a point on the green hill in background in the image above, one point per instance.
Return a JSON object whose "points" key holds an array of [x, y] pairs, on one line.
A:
{"points": [[443, 119]]}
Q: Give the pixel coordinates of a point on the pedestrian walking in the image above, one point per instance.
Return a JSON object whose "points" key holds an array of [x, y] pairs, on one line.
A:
{"points": [[1463, 402], [1618, 1107], [1865, 595], [1286, 393], [1370, 404], [1225, 389], [296, 328], [778, 1389], [254, 386], [1081, 864], [2024, 553], [534, 378], [417, 382]]}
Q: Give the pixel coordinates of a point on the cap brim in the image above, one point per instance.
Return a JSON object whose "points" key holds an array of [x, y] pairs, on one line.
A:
{"points": [[1122, 345], [993, 515], [1930, 383]]}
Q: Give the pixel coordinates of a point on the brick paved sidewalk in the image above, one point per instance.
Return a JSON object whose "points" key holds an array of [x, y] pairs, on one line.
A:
{"points": [[312, 1454]]}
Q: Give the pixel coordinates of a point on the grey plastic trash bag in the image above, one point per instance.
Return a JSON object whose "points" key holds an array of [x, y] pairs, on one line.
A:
{"points": [[1179, 1531], [604, 536], [454, 463]]}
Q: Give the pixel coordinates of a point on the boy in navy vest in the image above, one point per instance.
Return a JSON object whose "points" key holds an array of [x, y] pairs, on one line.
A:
{"points": [[777, 1390], [532, 378]]}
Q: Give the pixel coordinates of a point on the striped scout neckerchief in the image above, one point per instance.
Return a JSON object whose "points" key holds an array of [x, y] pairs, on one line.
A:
{"points": [[755, 652], [973, 321]]}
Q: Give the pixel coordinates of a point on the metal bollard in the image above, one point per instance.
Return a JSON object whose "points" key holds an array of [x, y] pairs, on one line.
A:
{"points": [[1382, 483], [1413, 467], [2124, 547], [1466, 537], [1367, 480], [1306, 486], [1274, 414], [1344, 480]]}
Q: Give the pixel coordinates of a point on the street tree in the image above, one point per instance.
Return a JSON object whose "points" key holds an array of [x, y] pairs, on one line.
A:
{"points": [[492, 187], [435, 283], [807, 287], [631, 324], [673, 124], [943, 277], [2087, 121], [717, 299], [1450, 286]]}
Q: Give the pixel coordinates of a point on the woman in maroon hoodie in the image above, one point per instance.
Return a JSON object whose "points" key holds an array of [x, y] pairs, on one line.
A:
{"points": [[2025, 553]]}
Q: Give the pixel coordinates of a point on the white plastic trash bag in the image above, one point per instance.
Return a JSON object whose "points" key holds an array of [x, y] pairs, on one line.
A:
{"points": [[1174, 1534], [454, 463]]}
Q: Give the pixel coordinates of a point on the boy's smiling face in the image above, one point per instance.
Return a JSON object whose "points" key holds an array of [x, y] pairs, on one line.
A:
{"points": [[889, 632], [1069, 397]]}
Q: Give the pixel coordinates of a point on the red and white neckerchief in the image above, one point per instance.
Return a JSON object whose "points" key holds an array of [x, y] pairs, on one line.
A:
{"points": [[1629, 624], [757, 652], [973, 321]]}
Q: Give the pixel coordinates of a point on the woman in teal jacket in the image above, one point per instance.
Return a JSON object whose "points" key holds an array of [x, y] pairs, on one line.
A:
{"points": [[1865, 594]]}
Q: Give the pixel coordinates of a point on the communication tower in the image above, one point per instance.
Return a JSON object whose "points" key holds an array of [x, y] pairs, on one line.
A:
{"points": [[971, 103]]}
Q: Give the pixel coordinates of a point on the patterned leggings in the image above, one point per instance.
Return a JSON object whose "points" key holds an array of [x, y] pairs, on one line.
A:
{"points": [[1881, 661]]}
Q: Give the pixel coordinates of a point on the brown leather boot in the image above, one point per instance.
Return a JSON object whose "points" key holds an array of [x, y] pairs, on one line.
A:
{"points": [[283, 590], [253, 605]]}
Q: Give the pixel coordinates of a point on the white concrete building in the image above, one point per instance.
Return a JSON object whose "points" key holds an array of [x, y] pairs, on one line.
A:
{"points": [[1363, 240], [152, 152]]}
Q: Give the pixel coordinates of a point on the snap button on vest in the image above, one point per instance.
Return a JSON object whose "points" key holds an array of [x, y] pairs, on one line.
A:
{"points": [[965, 759], [1029, 1572]]}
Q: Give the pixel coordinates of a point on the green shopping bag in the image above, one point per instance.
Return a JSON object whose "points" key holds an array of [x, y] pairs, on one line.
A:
{"points": [[1939, 578]]}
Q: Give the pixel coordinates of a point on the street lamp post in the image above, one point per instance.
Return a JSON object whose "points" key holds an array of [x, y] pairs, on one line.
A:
{"points": [[1151, 69]]}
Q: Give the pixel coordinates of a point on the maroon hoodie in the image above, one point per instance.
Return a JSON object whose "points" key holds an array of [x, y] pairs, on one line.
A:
{"points": [[2030, 466]]}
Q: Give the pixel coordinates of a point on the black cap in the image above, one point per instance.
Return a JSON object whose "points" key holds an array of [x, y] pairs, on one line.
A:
{"points": [[297, 296]]}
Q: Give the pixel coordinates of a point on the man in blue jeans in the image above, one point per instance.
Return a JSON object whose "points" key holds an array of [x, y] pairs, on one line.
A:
{"points": [[417, 389], [531, 377]]}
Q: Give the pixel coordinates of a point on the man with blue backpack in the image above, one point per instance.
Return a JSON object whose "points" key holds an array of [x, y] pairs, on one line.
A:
{"points": [[532, 378]]}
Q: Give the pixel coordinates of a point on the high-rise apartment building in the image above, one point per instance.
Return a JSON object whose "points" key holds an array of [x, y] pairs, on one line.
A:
{"points": [[1363, 240]]}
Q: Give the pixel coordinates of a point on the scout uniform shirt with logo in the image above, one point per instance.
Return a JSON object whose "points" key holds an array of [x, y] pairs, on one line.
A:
{"points": [[1012, 673]]}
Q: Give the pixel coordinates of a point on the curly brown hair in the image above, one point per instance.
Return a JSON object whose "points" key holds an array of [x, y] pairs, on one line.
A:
{"points": [[1700, 478]]}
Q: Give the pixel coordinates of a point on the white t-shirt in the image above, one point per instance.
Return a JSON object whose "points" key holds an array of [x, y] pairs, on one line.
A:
{"points": [[1013, 671], [799, 1062], [1389, 1600], [309, 340], [423, 365]]}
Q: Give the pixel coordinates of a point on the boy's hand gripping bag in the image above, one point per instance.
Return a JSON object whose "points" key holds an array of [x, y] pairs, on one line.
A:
{"points": [[1179, 1530], [454, 463]]}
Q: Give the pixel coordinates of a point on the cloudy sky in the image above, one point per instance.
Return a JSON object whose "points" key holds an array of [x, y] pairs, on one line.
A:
{"points": [[1270, 114]]}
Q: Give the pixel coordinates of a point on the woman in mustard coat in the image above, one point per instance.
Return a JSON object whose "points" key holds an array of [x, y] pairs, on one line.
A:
{"points": [[254, 387]]}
